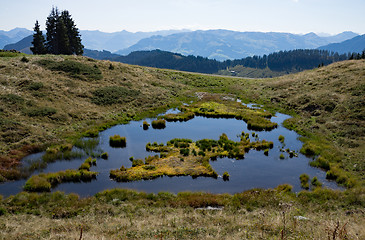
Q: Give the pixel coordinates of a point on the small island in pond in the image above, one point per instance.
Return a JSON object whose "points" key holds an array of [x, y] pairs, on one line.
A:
{"points": [[183, 157]]}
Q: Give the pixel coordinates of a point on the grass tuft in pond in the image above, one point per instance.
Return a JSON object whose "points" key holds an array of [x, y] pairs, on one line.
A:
{"points": [[304, 181], [117, 141], [226, 176], [315, 182], [146, 125], [159, 124], [104, 155]]}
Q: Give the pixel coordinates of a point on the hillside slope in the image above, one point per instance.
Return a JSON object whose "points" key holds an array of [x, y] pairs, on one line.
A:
{"points": [[52, 99]]}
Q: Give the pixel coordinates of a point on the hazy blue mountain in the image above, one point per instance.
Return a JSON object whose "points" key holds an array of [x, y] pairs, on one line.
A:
{"points": [[13, 36], [225, 44], [117, 40], [356, 44], [95, 39], [22, 45]]}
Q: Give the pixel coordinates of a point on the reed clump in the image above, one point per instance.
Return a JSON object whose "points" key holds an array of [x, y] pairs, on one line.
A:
{"points": [[117, 141], [159, 124]]}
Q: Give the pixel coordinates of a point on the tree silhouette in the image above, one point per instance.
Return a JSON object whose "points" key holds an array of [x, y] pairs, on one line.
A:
{"points": [[38, 41]]}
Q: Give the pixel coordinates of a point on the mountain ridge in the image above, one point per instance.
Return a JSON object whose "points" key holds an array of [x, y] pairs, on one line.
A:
{"points": [[226, 44]]}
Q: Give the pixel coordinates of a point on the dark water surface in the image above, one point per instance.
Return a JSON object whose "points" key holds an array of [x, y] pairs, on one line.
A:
{"points": [[255, 171]]}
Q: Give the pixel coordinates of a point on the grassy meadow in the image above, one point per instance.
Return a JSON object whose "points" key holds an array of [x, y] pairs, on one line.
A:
{"points": [[48, 102]]}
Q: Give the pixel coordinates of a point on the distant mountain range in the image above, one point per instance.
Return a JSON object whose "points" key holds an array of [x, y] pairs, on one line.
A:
{"points": [[118, 40], [356, 44], [214, 44], [13, 36], [224, 44]]}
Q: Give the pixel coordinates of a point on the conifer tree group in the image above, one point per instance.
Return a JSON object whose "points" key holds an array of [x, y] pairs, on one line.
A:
{"points": [[62, 36]]}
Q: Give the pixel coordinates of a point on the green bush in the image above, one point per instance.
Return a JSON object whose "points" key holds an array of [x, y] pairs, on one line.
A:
{"points": [[149, 167], [24, 59], [35, 86], [281, 138], [74, 69], [185, 152], [117, 141], [282, 156], [40, 111], [113, 95], [12, 99], [137, 162]]}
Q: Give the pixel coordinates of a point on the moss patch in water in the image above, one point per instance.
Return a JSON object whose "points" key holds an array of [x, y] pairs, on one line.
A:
{"points": [[256, 119], [44, 182], [181, 117]]}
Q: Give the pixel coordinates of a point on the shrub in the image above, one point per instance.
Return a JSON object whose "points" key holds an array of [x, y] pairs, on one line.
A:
{"points": [[2, 211], [117, 141], [40, 111], [113, 95], [137, 162], [185, 152], [225, 176], [266, 152], [35, 86], [24, 59], [149, 167], [74, 69], [282, 156], [281, 138], [159, 124], [104, 155]]}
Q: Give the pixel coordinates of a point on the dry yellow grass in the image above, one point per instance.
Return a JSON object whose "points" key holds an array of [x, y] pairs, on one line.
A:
{"points": [[147, 222]]}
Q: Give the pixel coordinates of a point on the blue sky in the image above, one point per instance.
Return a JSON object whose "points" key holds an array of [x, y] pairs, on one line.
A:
{"points": [[295, 16]]}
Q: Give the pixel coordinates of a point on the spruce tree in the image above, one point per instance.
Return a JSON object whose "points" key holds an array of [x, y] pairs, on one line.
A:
{"points": [[38, 41], [73, 34], [62, 35], [63, 43], [51, 27]]}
